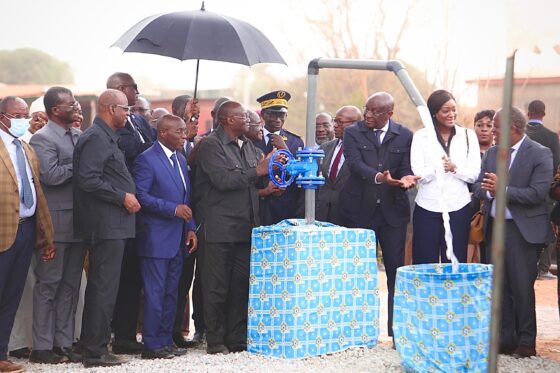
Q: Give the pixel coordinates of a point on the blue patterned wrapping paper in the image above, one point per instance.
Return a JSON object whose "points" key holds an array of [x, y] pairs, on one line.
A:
{"points": [[312, 289], [441, 319]]}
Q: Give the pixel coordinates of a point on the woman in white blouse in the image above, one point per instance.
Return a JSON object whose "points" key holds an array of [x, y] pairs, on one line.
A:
{"points": [[446, 167]]}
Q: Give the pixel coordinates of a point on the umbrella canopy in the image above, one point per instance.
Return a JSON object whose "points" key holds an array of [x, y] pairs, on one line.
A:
{"points": [[199, 34]]}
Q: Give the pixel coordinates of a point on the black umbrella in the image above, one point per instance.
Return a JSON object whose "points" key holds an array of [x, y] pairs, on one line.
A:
{"points": [[199, 35]]}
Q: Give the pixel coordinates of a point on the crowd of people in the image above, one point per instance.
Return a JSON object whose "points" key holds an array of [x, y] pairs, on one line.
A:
{"points": [[152, 208]]}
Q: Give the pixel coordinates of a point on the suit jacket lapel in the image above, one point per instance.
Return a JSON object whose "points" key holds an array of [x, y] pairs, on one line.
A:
{"points": [[329, 154], [7, 160], [368, 133], [518, 157], [167, 164]]}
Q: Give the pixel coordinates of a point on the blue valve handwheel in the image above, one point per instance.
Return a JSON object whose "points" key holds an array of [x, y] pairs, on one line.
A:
{"points": [[282, 183]]}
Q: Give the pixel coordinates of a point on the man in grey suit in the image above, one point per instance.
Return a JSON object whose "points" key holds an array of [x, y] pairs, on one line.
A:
{"points": [[55, 294], [104, 208], [333, 168], [527, 229]]}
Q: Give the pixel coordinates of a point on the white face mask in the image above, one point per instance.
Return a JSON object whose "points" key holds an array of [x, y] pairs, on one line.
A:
{"points": [[18, 126]]}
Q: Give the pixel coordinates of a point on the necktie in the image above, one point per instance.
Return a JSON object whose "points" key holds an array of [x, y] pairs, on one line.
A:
{"points": [[26, 193], [137, 130], [377, 134], [334, 168], [269, 144], [177, 171], [69, 134]]}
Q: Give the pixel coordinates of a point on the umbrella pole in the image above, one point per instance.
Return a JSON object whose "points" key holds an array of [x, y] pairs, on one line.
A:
{"points": [[196, 79]]}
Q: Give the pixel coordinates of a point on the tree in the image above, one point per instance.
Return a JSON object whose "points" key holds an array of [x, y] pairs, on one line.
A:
{"points": [[27, 65]]}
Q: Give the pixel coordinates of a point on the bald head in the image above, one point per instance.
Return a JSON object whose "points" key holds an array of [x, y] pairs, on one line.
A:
{"points": [[227, 109], [344, 117], [215, 109], [113, 108], [167, 121], [126, 84], [111, 97], [382, 99], [8, 101], [118, 79]]}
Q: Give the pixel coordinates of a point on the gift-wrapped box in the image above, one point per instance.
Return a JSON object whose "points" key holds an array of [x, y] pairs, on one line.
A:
{"points": [[313, 289], [441, 318]]}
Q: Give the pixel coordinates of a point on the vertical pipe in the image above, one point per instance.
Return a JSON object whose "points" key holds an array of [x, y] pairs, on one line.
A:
{"points": [[197, 65], [312, 75], [498, 232]]}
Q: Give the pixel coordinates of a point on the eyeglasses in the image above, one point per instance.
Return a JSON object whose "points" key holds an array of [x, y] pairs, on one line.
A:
{"points": [[124, 107], [17, 116], [135, 86], [374, 113], [342, 122], [73, 106], [244, 117], [274, 115]]}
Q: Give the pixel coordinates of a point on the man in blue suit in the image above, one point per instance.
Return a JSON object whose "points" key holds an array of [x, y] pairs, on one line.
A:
{"points": [[167, 233], [274, 111], [377, 153]]}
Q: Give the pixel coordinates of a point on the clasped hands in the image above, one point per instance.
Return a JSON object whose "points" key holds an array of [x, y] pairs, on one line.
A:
{"points": [[448, 166], [405, 182]]}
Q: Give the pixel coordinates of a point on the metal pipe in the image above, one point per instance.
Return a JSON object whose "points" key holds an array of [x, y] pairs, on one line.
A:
{"points": [[312, 77], [499, 229]]}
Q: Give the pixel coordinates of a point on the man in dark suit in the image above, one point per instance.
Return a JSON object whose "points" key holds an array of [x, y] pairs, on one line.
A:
{"points": [[527, 229], [104, 215], [539, 133], [135, 137], [333, 168], [228, 167], [55, 294], [166, 235], [377, 152], [25, 221], [274, 111]]}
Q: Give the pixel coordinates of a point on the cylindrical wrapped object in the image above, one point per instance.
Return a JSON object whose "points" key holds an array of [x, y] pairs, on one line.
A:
{"points": [[313, 289], [441, 319]]}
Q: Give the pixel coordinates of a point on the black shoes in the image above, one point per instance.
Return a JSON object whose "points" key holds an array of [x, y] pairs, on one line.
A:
{"points": [[124, 347], [197, 340], [46, 357], [213, 349], [237, 347], [507, 349], [105, 360], [69, 353], [21, 353], [160, 353], [524, 351], [179, 340], [176, 351]]}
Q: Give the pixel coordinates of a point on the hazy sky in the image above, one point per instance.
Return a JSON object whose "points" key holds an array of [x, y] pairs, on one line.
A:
{"points": [[81, 32]]}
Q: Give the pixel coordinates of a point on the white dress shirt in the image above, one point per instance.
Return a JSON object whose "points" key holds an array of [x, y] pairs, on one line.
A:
{"points": [[169, 153], [426, 160], [335, 153], [265, 135], [512, 155], [24, 212]]}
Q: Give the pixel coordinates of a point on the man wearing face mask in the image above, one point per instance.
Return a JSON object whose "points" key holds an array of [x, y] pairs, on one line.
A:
{"points": [[25, 220]]}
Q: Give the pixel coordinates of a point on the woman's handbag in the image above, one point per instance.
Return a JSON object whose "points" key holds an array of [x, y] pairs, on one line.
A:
{"points": [[476, 233]]}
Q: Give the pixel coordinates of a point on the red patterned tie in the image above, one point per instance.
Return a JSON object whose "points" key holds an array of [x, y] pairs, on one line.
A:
{"points": [[334, 168]]}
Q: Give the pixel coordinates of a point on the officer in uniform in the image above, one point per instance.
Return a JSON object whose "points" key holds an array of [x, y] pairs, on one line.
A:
{"points": [[274, 111]]}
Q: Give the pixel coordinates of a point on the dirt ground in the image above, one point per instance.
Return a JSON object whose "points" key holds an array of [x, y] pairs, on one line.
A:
{"points": [[548, 321]]}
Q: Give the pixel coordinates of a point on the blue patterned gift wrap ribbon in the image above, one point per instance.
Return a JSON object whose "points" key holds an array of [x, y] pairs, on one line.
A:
{"points": [[441, 319], [313, 289]]}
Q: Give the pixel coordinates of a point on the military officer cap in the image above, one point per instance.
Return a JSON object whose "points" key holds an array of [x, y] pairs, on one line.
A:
{"points": [[275, 101]]}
